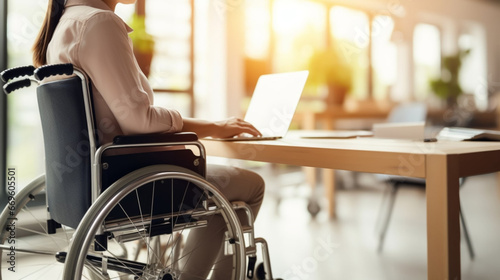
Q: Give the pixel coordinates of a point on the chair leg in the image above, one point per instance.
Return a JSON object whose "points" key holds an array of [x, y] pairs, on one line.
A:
{"points": [[466, 234], [385, 196], [385, 225], [392, 198]]}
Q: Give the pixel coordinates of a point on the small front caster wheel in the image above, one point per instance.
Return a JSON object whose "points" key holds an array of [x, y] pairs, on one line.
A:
{"points": [[260, 272]]}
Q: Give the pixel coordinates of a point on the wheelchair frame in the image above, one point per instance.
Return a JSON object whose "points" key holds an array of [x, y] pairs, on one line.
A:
{"points": [[102, 202]]}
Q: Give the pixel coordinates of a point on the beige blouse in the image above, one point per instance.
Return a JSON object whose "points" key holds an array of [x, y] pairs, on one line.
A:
{"points": [[93, 38]]}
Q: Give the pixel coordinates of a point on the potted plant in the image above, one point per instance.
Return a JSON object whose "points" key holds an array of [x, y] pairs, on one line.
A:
{"points": [[447, 86], [143, 42], [329, 68]]}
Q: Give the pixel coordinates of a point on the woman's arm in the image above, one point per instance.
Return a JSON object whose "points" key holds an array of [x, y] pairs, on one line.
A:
{"points": [[104, 52], [219, 129]]}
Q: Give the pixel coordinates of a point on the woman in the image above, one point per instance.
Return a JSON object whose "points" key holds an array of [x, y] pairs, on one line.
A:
{"points": [[88, 34]]}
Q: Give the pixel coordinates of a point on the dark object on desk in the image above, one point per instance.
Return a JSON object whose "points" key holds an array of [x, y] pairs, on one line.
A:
{"points": [[468, 134], [395, 183]]}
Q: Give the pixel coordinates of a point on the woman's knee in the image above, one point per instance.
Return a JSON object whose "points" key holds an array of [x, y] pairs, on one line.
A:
{"points": [[237, 183]]}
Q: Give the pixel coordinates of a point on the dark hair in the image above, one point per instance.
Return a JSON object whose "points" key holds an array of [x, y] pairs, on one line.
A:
{"points": [[54, 12]]}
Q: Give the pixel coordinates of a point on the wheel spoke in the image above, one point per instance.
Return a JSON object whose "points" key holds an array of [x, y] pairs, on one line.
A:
{"points": [[200, 199], [116, 258], [43, 231]]}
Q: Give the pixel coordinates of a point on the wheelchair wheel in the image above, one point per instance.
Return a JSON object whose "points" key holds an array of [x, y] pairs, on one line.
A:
{"points": [[28, 250], [163, 256]]}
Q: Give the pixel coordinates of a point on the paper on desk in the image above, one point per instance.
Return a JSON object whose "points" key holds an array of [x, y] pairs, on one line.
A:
{"points": [[403, 130], [334, 134], [468, 134]]}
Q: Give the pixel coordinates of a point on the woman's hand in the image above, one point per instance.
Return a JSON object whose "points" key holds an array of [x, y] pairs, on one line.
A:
{"points": [[220, 129], [233, 127]]}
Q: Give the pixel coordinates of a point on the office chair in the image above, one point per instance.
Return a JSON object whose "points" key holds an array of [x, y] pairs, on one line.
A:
{"points": [[104, 200], [409, 112], [395, 183]]}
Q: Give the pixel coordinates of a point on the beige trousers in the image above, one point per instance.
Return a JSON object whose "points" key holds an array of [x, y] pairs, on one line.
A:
{"points": [[237, 185]]}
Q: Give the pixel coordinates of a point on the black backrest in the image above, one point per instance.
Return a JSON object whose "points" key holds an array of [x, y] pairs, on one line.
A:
{"points": [[67, 149]]}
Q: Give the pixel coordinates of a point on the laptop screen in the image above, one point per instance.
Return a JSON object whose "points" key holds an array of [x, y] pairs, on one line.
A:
{"points": [[274, 102]]}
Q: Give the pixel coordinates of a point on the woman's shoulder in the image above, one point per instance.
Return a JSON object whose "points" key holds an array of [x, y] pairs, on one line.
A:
{"points": [[93, 16]]}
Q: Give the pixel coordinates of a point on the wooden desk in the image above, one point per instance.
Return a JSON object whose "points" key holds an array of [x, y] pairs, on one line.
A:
{"points": [[440, 163], [328, 119]]}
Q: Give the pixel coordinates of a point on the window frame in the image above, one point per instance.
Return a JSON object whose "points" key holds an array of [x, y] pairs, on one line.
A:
{"points": [[190, 89]]}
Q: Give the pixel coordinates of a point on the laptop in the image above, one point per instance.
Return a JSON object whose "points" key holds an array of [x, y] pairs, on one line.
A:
{"points": [[273, 105]]}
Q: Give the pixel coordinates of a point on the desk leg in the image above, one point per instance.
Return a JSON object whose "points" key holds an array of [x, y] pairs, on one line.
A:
{"points": [[443, 226], [329, 185], [310, 173]]}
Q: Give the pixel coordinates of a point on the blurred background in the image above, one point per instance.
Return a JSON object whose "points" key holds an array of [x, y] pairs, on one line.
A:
{"points": [[365, 57]]}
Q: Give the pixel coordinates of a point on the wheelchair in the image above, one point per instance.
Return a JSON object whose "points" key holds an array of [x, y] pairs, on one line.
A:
{"points": [[114, 210]]}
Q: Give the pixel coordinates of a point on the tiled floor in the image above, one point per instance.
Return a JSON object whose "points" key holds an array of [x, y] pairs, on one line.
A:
{"points": [[346, 247]]}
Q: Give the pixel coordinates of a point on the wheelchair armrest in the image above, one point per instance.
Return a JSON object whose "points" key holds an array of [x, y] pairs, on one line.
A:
{"points": [[155, 138]]}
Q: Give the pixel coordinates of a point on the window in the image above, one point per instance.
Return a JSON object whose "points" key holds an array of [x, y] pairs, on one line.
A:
{"points": [[384, 56], [299, 28], [169, 22], [351, 28], [427, 58], [280, 36], [257, 32], [473, 75]]}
